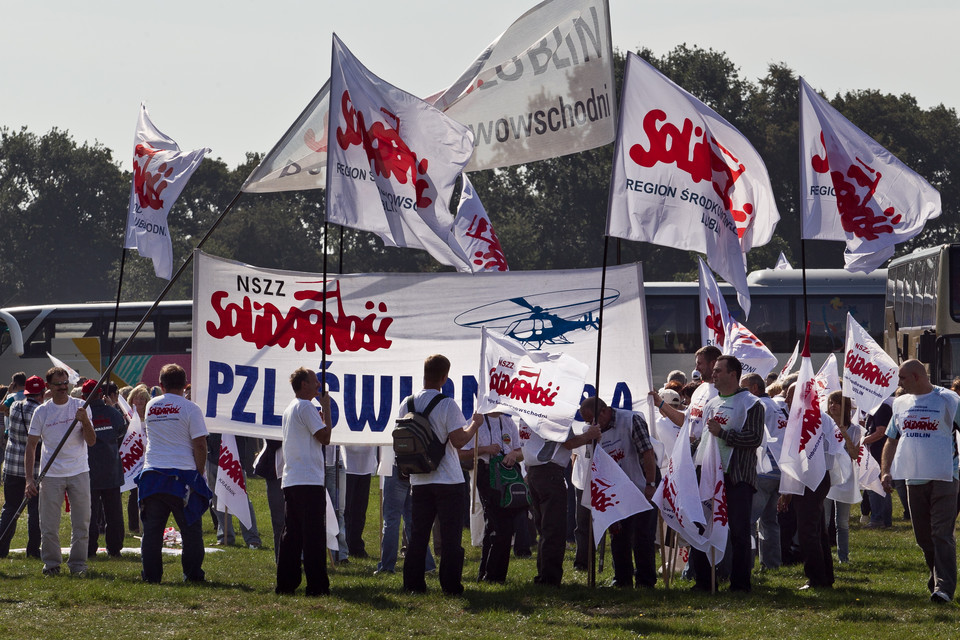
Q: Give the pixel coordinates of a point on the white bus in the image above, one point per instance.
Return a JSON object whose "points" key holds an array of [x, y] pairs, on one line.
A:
{"points": [[776, 316], [923, 310], [79, 334]]}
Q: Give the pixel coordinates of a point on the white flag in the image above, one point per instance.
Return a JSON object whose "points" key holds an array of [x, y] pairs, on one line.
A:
{"points": [[870, 375], [869, 470], [792, 360], [474, 234], [132, 450], [299, 160], [613, 496], [854, 190], [713, 494], [231, 487], [684, 177], [782, 263], [393, 161], [541, 388], [332, 524], [160, 172], [714, 317], [718, 328], [678, 496], [828, 380], [802, 462], [543, 89], [72, 376]]}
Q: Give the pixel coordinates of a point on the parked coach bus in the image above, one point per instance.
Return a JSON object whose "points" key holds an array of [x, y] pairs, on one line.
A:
{"points": [[79, 334], [923, 310]]}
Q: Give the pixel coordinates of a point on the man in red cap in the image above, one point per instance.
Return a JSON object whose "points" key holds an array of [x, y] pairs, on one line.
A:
{"points": [[14, 474], [106, 473]]}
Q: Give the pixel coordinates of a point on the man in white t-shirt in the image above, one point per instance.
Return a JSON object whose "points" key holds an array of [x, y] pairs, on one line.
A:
{"points": [[172, 481], [68, 473], [305, 432], [921, 448], [438, 495]]}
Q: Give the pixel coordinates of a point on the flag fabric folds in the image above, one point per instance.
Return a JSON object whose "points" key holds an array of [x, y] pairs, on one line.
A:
{"points": [[782, 263], [684, 177], [72, 376], [718, 328], [678, 496], [393, 161], [231, 487], [543, 89], [543, 389], [474, 235], [133, 448], [613, 496], [870, 375], [713, 494], [160, 172], [809, 436], [299, 160], [854, 190]]}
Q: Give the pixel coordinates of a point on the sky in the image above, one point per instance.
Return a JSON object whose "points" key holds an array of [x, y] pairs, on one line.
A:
{"points": [[233, 76]]}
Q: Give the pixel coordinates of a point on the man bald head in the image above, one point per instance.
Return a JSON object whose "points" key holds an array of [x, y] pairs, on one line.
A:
{"points": [[914, 378]]}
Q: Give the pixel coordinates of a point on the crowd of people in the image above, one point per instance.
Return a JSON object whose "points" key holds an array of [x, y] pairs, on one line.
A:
{"points": [[912, 438]]}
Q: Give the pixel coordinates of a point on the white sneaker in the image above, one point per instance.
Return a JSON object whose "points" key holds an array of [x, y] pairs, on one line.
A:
{"points": [[939, 597]]}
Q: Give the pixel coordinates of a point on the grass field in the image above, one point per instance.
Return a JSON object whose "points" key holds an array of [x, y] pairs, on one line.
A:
{"points": [[880, 594]]}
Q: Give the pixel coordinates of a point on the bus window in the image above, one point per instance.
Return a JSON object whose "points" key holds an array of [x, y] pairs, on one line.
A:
{"points": [[673, 323], [828, 319], [769, 320], [954, 262], [949, 361], [60, 325], [145, 342]]}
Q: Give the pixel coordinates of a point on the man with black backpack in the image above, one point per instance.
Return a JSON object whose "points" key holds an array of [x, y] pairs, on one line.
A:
{"points": [[436, 493]]}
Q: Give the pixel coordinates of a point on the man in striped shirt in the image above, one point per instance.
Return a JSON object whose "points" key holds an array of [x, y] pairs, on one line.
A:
{"points": [[735, 418]]}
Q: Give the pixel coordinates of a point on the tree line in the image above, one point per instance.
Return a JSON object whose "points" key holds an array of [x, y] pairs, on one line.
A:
{"points": [[63, 203]]}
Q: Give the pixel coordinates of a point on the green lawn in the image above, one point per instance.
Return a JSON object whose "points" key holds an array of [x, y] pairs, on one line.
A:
{"points": [[880, 594]]}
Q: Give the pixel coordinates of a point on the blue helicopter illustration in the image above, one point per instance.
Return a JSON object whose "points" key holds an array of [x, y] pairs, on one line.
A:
{"points": [[541, 318]]}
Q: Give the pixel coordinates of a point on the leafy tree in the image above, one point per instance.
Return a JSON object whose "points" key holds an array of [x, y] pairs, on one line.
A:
{"points": [[60, 204]]}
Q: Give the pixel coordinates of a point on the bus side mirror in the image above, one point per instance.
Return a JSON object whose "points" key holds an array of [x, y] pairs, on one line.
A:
{"points": [[927, 348]]}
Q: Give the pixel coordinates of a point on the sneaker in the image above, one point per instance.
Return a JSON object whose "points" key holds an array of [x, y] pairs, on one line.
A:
{"points": [[79, 574], [253, 546], [864, 519], [51, 571], [939, 597]]}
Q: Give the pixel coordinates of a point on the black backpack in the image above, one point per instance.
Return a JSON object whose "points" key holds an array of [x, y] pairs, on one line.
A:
{"points": [[416, 446]]}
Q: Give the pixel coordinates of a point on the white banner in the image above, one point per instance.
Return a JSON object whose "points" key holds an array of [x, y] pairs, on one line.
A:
{"points": [[613, 496], [684, 177], [160, 172], [854, 190], [393, 160], [543, 389], [802, 462], [788, 367], [870, 375], [543, 89], [252, 327], [713, 494], [474, 234], [230, 486]]}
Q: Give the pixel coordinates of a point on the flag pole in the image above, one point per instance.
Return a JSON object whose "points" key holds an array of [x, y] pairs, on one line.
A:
{"points": [[109, 368], [592, 580], [116, 308]]}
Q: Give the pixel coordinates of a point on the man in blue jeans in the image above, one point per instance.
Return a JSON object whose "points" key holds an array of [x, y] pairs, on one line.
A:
{"points": [[397, 505], [172, 479]]}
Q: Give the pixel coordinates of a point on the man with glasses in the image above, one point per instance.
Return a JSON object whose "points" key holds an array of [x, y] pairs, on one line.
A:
{"points": [[68, 473]]}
